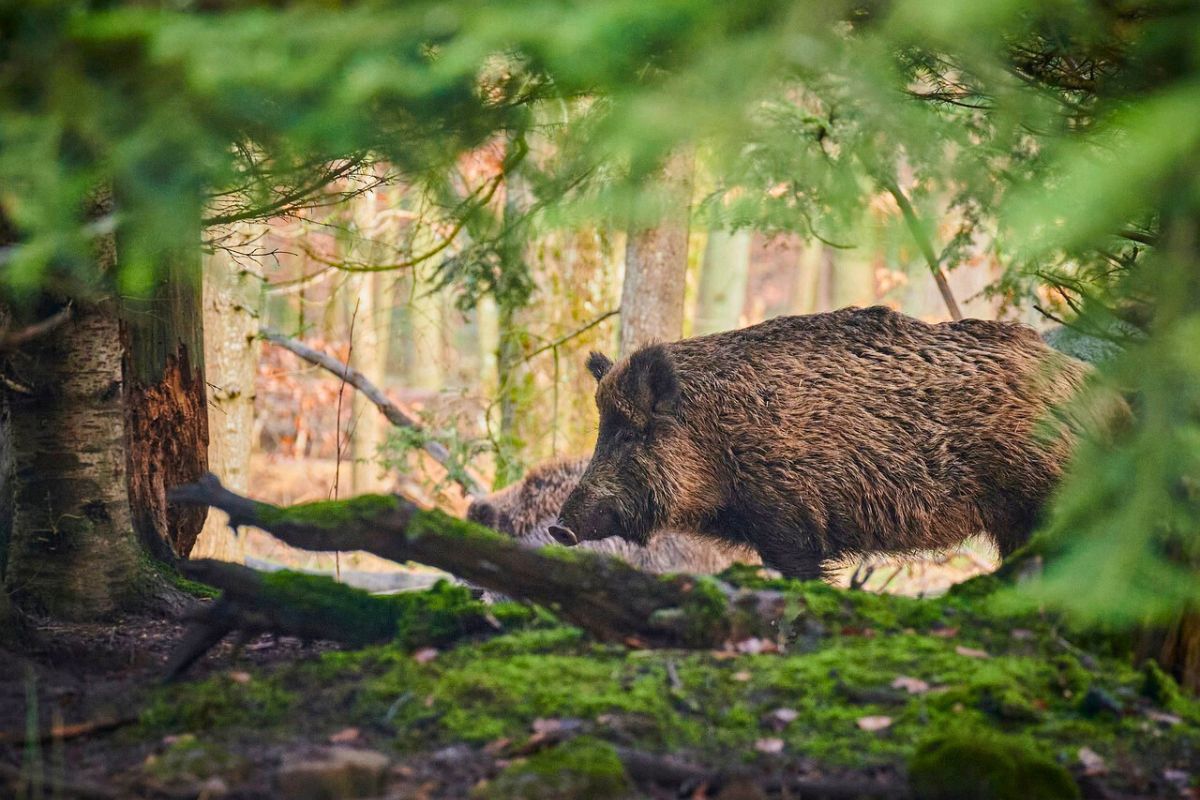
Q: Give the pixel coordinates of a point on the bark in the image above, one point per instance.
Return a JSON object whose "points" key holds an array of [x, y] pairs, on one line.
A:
{"points": [[656, 267], [802, 297], [231, 311], [853, 280], [723, 279], [602, 595], [71, 554], [368, 354], [1177, 648], [166, 405]]}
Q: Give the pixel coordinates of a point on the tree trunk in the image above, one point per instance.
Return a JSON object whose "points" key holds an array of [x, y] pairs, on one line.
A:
{"points": [[368, 354], [723, 279], [656, 267], [231, 312], [72, 553], [166, 408], [803, 298]]}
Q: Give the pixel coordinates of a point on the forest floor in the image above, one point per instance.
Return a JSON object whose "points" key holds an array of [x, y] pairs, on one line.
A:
{"points": [[864, 695]]}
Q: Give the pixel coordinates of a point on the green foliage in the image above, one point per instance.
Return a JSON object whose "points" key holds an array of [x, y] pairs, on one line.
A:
{"points": [[403, 442]]}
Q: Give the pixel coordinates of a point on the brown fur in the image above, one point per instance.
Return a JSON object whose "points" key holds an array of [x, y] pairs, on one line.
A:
{"points": [[526, 510], [816, 437]]}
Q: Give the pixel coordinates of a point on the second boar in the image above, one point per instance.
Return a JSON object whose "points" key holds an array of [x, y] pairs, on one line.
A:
{"points": [[528, 508]]}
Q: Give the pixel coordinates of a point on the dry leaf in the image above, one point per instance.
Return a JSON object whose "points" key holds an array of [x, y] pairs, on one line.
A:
{"points": [[872, 724], [497, 746], [910, 685], [971, 652], [1163, 717], [770, 745], [944, 633], [344, 735], [742, 676], [240, 677], [1093, 763], [780, 718], [425, 655]]}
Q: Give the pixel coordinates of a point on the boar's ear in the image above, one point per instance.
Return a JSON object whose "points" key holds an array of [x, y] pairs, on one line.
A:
{"points": [[653, 385], [599, 364]]}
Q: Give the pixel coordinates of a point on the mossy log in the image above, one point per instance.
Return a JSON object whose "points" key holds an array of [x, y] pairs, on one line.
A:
{"points": [[316, 607], [604, 596]]}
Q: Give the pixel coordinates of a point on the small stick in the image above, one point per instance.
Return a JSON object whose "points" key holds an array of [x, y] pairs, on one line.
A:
{"points": [[471, 483]]}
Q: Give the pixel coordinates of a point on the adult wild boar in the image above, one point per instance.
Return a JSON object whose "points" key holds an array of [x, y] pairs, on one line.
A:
{"points": [[528, 508], [818, 437]]}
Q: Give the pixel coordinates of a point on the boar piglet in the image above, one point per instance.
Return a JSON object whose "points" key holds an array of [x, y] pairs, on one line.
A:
{"points": [[819, 437], [527, 509]]}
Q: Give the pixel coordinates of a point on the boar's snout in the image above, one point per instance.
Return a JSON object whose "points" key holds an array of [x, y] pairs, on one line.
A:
{"points": [[586, 518], [564, 536]]}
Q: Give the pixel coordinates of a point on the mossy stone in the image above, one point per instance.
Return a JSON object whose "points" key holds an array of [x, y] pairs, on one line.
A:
{"points": [[981, 765], [1158, 686], [584, 767]]}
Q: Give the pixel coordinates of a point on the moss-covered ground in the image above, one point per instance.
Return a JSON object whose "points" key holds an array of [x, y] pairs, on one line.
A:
{"points": [[858, 682]]}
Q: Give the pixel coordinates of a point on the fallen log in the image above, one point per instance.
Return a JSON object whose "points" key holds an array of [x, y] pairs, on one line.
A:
{"points": [[400, 417], [314, 607], [604, 596]]}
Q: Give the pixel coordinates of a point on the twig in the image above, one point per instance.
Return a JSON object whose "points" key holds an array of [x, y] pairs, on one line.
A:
{"points": [[560, 341], [11, 340], [396, 415], [924, 245], [64, 732]]}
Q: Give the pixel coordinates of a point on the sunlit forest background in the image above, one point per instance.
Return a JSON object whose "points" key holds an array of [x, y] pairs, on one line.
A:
{"points": [[341, 276]]}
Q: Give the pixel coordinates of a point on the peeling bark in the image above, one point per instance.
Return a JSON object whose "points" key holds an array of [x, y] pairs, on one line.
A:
{"points": [[167, 409]]}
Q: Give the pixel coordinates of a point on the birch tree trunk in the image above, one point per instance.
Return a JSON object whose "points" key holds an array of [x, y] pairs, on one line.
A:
{"points": [[723, 278], [232, 300], [656, 266], [72, 552]]}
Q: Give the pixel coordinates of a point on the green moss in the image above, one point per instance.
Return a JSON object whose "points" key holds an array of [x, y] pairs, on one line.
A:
{"points": [[323, 603], [329, 513], [442, 614], [171, 575], [1158, 686], [438, 523], [217, 702], [711, 706], [585, 768], [189, 760], [982, 765]]}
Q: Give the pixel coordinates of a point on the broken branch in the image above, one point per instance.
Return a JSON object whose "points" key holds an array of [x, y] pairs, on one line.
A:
{"points": [[471, 483]]}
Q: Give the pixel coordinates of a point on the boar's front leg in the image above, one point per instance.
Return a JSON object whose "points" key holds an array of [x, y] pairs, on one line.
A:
{"points": [[804, 565]]}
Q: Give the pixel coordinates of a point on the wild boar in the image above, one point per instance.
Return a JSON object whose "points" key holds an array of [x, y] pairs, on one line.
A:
{"points": [[815, 438], [528, 508]]}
